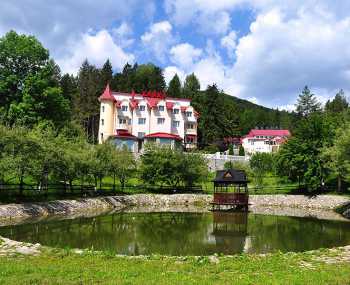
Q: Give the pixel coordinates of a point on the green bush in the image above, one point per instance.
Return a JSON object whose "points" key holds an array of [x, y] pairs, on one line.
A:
{"points": [[161, 165]]}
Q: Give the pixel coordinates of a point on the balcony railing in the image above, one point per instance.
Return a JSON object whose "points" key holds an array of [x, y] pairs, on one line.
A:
{"points": [[191, 131]]}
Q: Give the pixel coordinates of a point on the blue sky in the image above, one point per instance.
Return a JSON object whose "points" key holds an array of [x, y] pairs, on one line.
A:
{"points": [[265, 51]]}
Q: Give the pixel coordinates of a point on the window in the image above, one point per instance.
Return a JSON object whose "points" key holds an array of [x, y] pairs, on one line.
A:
{"points": [[142, 121], [176, 124], [160, 108], [101, 136], [103, 109], [140, 135], [142, 108], [122, 121], [102, 122], [160, 121], [124, 108], [188, 114], [175, 111], [190, 126]]}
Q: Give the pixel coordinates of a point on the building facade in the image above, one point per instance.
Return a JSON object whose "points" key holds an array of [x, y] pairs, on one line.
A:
{"points": [[264, 141], [133, 119]]}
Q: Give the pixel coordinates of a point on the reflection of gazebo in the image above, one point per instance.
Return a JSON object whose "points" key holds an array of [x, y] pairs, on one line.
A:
{"points": [[230, 190], [230, 231]]}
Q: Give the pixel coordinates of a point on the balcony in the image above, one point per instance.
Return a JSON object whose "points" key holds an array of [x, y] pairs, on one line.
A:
{"points": [[126, 127], [191, 131]]}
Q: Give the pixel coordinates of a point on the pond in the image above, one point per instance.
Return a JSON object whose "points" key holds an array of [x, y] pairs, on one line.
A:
{"points": [[185, 233]]}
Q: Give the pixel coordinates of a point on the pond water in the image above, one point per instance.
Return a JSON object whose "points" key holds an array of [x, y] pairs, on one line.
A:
{"points": [[185, 233]]}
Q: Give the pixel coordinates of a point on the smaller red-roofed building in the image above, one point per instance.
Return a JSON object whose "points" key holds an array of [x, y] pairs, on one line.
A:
{"points": [[264, 140]]}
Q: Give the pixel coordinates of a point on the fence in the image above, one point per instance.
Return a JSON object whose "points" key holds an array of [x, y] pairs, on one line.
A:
{"points": [[217, 160], [31, 192]]}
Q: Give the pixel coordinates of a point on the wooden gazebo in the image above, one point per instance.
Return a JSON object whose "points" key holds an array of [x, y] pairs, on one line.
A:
{"points": [[230, 190]]}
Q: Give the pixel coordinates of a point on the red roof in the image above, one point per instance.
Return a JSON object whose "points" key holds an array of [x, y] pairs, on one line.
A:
{"points": [[134, 103], [272, 133], [183, 108], [152, 102], [107, 95], [169, 105], [120, 133], [164, 136]]}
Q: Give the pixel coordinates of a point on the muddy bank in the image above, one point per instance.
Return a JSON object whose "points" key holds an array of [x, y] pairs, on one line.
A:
{"points": [[16, 213]]}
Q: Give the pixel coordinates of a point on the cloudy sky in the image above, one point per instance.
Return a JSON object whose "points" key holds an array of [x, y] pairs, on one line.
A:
{"points": [[261, 50]]}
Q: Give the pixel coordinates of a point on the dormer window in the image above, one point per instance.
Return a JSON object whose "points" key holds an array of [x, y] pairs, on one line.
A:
{"points": [[124, 108], [160, 108], [176, 111], [142, 108]]}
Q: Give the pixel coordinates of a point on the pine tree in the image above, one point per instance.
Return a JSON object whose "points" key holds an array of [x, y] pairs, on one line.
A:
{"points": [[174, 88], [69, 86], [86, 105], [307, 103], [338, 104], [191, 86], [106, 74]]}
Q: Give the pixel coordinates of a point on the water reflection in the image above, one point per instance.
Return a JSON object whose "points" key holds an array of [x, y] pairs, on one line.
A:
{"points": [[185, 233]]}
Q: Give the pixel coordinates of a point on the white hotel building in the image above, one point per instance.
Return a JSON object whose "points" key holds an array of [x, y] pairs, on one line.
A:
{"points": [[132, 119]]}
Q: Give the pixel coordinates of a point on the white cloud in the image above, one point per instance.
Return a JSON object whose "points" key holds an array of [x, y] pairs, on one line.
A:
{"points": [[123, 34], [229, 42], [56, 23], [97, 49], [170, 71], [213, 23], [184, 55], [158, 39], [280, 55], [285, 49]]}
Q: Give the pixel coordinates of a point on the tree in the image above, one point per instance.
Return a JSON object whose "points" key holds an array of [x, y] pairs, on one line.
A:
{"points": [[261, 164], [106, 74], [337, 157], [338, 104], [194, 169], [22, 153], [307, 103], [29, 82], [241, 151], [86, 106], [299, 158], [122, 165], [213, 121], [161, 165], [191, 86], [174, 88], [20, 56], [69, 87], [149, 77]]}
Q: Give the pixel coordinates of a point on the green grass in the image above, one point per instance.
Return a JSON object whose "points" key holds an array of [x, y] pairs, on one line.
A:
{"points": [[66, 267]]}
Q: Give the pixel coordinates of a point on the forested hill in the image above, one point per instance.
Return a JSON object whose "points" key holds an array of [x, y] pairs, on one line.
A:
{"points": [[223, 115]]}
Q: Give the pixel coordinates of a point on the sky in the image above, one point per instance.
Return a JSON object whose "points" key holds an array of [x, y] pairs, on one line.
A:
{"points": [[264, 51]]}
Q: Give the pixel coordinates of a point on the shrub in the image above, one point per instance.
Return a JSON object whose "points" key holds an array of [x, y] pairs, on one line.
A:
{"points": [[165, 166]]}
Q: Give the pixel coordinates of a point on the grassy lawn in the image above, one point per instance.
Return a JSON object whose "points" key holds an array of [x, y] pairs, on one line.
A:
{"points": [[66, 267]]}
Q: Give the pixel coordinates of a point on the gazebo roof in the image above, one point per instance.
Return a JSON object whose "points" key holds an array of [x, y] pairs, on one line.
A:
{"points": [[231, 176]]}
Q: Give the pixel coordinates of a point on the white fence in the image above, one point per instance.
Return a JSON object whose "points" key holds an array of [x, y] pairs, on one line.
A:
{"points": [[217, 160]]}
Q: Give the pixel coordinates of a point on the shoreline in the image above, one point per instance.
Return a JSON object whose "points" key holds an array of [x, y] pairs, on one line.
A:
{"points": [[321, 206]]}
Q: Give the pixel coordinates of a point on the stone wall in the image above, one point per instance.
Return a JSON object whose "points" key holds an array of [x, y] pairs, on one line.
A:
{"points": [[94, 206]]}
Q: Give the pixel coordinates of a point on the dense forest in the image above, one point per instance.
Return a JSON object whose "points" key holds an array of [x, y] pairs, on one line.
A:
{"points": [[33, 90]]}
